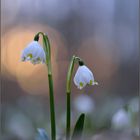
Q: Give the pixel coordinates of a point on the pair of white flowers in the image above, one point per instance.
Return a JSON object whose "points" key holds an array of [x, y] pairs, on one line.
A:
{"points": [[36, 54]]}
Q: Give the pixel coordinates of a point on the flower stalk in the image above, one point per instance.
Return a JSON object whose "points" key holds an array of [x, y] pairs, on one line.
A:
{"points": [[68, 94], [82, 77], [47, 49]]}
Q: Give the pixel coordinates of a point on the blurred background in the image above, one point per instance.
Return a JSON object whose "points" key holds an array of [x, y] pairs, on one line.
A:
{"points": [[104, 33]]}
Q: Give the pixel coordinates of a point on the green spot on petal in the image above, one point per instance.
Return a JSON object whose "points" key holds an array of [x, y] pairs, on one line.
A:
{"points": [[30, 55], [91, 82], [81, 84]]}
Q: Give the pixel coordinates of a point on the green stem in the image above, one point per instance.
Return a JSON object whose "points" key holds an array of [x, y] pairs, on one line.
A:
{"points": [[52, 109], [47, 49], [68, 117], [68, 92]]}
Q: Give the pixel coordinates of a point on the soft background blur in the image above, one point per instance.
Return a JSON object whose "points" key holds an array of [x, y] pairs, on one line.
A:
{"points": [[104, 33]]}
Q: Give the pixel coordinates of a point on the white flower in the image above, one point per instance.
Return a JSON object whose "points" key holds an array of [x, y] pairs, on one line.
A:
{"points": [[121, 119], [83, 77], [34, 53]]}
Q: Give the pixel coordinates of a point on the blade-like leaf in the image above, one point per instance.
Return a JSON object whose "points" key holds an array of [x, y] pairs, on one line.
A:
{"points": [[77, 133], [42, 135]]}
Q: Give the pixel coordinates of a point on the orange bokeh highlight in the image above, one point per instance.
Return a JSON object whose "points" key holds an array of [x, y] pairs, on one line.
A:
{"points": [[32, 79]]}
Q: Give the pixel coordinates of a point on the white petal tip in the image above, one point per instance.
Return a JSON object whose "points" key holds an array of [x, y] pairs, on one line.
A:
{"points": [[96, 83]]}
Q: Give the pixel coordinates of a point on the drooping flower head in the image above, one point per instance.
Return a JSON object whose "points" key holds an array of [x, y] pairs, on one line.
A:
{"points": [[84, 76], [33, 53]]}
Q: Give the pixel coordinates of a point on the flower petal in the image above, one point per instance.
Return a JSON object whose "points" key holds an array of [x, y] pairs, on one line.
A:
{"points": [[78, 80], [34, 53], [83, 77]]}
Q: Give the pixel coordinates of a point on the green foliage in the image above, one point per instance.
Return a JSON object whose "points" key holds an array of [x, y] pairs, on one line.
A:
{"points": [[79, 127]]}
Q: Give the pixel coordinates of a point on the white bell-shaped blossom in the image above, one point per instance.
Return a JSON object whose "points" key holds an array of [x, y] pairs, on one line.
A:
{"points": [[121, 119], [34, 53], [83, 77]]}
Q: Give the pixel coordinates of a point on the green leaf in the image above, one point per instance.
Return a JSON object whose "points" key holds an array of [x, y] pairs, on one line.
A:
{"points": [[77, 133]]}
